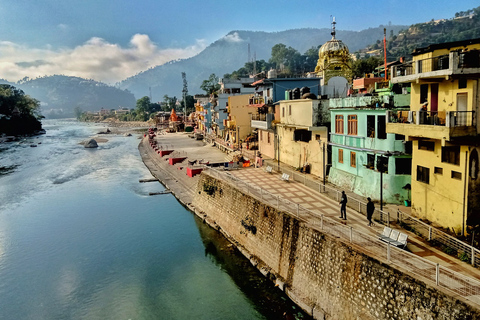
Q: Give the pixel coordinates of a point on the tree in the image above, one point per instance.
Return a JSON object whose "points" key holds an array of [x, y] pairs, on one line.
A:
{"points": [[19, 113], [211, 85], [288, 59]]}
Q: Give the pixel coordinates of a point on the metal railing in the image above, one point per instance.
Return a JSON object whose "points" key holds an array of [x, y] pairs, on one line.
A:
{"points": [[449, 119], [449, 243], [457, 283]]}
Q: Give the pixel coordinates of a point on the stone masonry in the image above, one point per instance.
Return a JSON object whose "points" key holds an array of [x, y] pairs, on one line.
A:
{"points": [[328, 278]]}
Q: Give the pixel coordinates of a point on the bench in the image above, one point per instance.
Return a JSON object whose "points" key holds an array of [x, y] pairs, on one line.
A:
{"points": [[285, 177], [394, 237], [268, 169]]}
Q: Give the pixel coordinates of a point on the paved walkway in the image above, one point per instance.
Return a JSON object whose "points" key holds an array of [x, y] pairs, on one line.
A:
{"points": [[183, 187], [319, 203]]}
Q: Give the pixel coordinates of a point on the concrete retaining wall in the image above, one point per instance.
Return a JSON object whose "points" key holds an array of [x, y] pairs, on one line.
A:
{"points": [[326, 277]]}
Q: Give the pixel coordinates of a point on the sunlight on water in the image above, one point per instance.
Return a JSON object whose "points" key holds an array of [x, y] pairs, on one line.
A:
{"points": [[81, 239]]}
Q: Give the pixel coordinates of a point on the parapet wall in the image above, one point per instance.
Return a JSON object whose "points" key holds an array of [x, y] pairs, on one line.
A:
{"points": [[326, 277]]}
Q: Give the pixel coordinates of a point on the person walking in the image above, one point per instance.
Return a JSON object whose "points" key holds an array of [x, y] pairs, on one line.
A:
{"points": [[343, 206], [370, 210]]}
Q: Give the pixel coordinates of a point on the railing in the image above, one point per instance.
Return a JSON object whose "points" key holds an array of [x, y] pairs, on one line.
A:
{"points": [[456, 62], [443, 277], [259, 117], [347, 140], [435, 118]]}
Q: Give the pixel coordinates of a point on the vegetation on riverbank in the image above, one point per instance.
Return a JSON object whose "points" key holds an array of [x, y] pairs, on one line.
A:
{"points": [[19, 113]]}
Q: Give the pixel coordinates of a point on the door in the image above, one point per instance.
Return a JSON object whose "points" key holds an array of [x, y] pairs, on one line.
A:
{"points": [[461, 114]]}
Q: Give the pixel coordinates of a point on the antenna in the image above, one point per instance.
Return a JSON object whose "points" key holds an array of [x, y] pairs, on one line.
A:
{"points": [[254, 63], [248, 52], [333, 28]]}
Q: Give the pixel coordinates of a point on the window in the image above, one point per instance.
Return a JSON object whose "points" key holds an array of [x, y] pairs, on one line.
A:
{"points": [[403, 165], [317, 137], [382, 164], [456, 175], [451, 155], [371, 126], [462, 83], [423, 93], [289, 109], [302, 135], [352, 124], [370, 161], [339, 124], [268, 137], [353, 159], [283, 112], [423, 174], [340, 155], [382, 133], [399, 137], [438, 170], [426, 145]]}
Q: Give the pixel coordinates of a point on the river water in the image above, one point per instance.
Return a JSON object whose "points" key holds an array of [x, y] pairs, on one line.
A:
{"points": [[80, 238]]}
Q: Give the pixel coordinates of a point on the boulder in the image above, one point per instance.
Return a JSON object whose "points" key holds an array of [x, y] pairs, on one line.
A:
{"points": [[92, 143], [127, 134]]}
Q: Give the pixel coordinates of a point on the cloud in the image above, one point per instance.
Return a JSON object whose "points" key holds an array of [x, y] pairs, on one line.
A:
{"points": [[234, 37], [95, 59]]}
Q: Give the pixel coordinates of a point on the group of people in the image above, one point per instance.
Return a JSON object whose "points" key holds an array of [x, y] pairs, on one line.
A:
{"points": [[343, 209]]}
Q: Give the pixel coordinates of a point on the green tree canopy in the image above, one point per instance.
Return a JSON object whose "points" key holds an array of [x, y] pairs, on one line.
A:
{"points": [[211, 85]]}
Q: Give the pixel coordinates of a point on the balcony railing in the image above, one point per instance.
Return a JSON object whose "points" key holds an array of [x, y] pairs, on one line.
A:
{"points": [[455, 62], [435, 118], [256, 100], [262, 120]]}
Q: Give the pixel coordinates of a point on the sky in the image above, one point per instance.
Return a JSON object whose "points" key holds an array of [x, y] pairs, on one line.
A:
{"points": [[110, 40]]}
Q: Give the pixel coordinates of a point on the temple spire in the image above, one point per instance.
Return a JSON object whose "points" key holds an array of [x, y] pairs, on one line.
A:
{"points": [[333, 28]]}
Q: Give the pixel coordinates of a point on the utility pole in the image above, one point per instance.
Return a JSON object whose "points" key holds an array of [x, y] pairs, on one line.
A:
{"points": [[185, 93], [385, 50]]}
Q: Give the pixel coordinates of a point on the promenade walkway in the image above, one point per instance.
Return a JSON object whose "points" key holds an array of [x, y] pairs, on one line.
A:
{"points": [[317, 209]]}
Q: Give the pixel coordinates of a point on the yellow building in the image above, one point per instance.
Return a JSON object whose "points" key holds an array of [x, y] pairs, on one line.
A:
{"points": [[442, 128], [237, 126], [302, 137]]}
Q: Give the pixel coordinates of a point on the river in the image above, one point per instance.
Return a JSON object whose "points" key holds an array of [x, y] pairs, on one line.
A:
{"points": [[80, 238]]}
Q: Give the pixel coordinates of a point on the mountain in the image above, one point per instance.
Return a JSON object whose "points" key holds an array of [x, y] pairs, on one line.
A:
{"points": [[231, 53], [465, 25], [60, 95]]}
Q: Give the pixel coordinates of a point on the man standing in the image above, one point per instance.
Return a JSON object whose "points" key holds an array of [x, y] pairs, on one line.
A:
{"points": [[343, 207], [370, 210]]}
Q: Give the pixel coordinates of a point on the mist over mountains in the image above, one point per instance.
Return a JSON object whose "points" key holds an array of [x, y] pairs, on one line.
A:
{"points": [[231, 53], [60, 94]]}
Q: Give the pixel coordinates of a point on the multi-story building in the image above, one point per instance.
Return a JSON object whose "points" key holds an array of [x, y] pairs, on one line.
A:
{"points": [[442, 125], [237, 125], [228, 88], [302, 133], [365, 158], [268, 92]]}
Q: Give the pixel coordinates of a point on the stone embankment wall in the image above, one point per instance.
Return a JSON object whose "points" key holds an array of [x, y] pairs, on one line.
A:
{"points": [[326, 277]]}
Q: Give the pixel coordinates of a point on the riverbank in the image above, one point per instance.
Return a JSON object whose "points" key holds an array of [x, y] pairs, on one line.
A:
{"points": [[316, 261]]}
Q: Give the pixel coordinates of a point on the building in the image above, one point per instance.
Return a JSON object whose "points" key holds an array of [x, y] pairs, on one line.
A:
{"points": [[237, 125], [445, 136], [365, 158], [228, 88], [302, 133]]}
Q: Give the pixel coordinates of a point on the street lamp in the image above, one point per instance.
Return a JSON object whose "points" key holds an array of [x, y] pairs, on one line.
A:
{"points": [[382, 166]]}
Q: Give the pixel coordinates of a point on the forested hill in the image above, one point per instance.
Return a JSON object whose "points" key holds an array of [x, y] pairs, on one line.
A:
{"points": [[59, 95], [463, 26], [231, 52]]}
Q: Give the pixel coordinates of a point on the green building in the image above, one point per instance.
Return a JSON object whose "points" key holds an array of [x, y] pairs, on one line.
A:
{"points": [[363, 154]]}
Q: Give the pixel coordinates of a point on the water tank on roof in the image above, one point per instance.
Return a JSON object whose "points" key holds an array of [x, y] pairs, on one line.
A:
{"points": [[287, 94], [296, 93], [304, 90], [272, 73]]}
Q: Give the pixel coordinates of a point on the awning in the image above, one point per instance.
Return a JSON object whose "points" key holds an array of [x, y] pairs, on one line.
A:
{"points": [[257, 82], [258, 105]]}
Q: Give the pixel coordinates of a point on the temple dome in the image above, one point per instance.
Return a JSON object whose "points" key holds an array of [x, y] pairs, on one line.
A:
{"points": [[333, 46]]}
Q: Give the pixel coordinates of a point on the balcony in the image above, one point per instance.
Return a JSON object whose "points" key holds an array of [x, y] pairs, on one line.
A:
{"points": [[256, 101], [465, 63], [432, 124], [356, 142], [262, 121]]}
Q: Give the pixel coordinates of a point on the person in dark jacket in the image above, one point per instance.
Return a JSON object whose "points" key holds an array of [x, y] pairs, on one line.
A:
{"points": [[370, 210], [343, 206]]}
